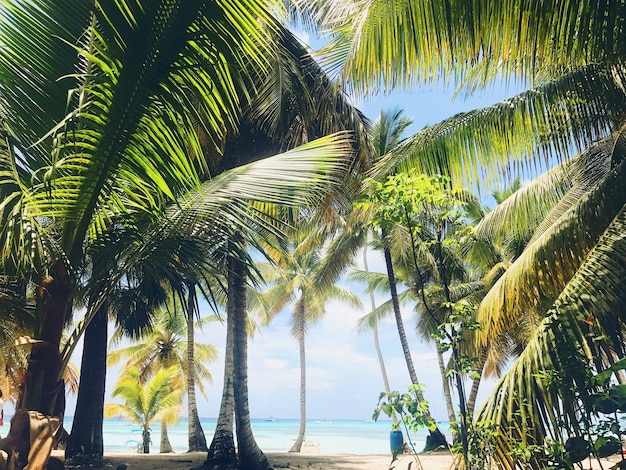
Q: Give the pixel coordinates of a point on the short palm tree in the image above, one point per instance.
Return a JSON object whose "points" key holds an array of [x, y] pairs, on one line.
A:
{"points": [[292, 279], [165, 346], [145, 402]]}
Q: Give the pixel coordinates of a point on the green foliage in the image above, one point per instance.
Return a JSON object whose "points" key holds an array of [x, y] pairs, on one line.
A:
{"points": [[413, 411]]}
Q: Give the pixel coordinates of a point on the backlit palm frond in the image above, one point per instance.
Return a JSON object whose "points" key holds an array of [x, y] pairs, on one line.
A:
{"points": [[296, 178], [519, 134], [128, 123], [583, 326], [538, 276], [384, 310], [383, 45]]}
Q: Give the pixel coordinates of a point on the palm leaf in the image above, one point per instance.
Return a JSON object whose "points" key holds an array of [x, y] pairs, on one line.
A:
{"points": [[546, 266], [564, 337]]}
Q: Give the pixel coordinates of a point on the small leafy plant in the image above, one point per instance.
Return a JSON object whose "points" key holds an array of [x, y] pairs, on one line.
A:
{"points": [[412, 413]]}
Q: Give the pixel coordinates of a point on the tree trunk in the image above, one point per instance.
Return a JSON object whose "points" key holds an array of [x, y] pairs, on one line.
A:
{"points": [[447, 393], [221, 455], [43, 384], [250, 455], [164, 446], [195, 434], [471, 399], [379, 353], [435, 438], [85, 442], [145, 440], [297, 445]]}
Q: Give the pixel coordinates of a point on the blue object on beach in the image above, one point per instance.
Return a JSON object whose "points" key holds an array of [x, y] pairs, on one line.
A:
{"points": [[396, 440]]}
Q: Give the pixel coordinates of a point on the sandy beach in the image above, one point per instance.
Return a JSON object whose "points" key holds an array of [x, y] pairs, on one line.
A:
{"points": [[283, 460], [438, 461]]}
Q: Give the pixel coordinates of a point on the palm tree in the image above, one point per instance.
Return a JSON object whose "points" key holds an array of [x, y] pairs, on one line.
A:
{"points": [[145, 402], [575, 62], [370, 322], [293, 283], [82, 159], [164, 347], [164, 103]]}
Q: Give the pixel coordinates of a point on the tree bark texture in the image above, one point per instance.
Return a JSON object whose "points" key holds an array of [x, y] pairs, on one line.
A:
{"points": [[300, 317], [85, 442], [41, 391], [251, 457], [221, 455], [195, 434], [165, 447]]}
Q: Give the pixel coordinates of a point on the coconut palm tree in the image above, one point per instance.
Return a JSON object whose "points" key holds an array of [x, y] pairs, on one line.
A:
{"points": [[160, 117], [292, 282], [575, 63], [81, 158], [145, 402], [166, 346]]}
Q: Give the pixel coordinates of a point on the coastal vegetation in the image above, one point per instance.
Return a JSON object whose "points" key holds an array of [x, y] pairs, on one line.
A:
{"points": [[152, 151]]}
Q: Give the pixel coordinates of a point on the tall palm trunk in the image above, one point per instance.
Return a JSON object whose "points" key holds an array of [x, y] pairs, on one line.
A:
{"points": [[435, 438], [221, 455], [379, 353], [473, 394], [85, 442], [43, 390], [251, 457], [195, 434], [447, 393], [165, 447], [300, 320]]}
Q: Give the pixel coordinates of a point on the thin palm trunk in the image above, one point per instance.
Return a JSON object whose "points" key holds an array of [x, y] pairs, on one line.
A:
{"points": [[297, 445], [145, 439], [195, 434], [85, 442], [379, 353], [251, 457], [165, 447], [221, 455], [473, 395], [447, 393], [435, 438]]}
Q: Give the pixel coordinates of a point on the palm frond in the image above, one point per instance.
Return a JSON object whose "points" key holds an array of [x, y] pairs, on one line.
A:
{"points": [[584, 324], [546, 266]]}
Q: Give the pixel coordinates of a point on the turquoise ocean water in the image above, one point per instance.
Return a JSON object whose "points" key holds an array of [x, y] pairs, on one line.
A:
{"points": [[272, 435]]}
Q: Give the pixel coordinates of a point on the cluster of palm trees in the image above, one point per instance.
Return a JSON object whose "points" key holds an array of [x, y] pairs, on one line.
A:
{"points": [[149, 146]]}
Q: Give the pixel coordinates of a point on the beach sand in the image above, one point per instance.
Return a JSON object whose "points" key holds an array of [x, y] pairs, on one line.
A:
{"points": [[437, 461], [432, 461]]}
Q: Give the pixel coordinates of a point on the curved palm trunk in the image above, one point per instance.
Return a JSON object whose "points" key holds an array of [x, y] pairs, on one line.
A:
{"points": [[195, 434], [164, 446], [251, 457], [297, 445], [435, 438], [85, 442], [473, 394], [43, 384], [447, 393], [221, 455], [379, 353]]}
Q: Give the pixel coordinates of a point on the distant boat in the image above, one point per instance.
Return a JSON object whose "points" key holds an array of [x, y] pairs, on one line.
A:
{"points": [[271, 419], [323, 421]]}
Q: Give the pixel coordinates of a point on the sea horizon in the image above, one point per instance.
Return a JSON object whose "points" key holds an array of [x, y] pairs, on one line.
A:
{"points": [[273, 434]]}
